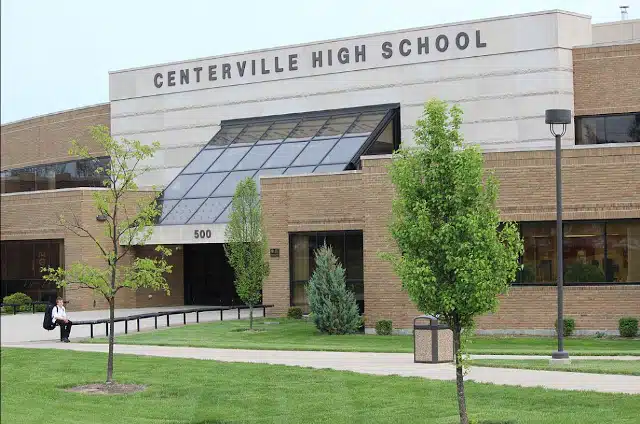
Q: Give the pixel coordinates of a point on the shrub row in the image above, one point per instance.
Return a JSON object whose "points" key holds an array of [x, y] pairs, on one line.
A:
{"points": [[627, 326]]}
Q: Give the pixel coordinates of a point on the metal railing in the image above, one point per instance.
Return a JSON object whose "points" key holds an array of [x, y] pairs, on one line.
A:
{"points": [[156, 315], [33, 305]]}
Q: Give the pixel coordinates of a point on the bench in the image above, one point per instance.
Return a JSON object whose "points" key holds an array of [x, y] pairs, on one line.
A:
{"points": [[156, 315]]}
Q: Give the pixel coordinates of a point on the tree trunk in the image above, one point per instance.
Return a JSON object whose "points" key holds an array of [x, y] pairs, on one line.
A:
{"points": [[250, 317], [112, 303], [462, 403]]}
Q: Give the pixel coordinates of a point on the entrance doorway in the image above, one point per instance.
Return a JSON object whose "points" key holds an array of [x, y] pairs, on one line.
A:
{"points": [[208, 277]]}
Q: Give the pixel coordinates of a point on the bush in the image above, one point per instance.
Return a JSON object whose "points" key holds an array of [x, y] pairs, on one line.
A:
{"points": [[334, 307], [569, 326], [384, 327], [20, 299], [628, 327], [294, 313]]}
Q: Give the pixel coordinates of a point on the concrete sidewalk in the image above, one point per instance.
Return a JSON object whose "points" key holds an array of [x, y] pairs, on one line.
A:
{"points": [[27, 327], [374, 363]]}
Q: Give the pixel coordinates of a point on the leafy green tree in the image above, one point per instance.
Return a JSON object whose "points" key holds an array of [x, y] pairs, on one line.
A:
{"points": [[128, 221], [332, 305], [246, 244], [455, 256]]}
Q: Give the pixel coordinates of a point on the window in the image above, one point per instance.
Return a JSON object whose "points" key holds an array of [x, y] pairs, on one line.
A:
{"points": [[593, 252], [22, 262], [308, 143], [347, 247], [78, 173], [622, 128]]}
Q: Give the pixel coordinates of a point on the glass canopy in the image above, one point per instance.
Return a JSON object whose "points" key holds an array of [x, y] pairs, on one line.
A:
{"points": [[307, 143]]}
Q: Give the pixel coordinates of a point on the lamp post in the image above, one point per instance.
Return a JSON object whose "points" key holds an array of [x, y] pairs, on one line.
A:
{"points": [[559, 117]]}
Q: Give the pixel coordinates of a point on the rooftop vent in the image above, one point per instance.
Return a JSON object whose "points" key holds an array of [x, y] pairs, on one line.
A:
{"points": [[624, 15]]}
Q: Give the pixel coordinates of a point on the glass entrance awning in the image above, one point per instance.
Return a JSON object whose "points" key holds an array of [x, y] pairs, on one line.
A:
{"points": [[316, 142]]}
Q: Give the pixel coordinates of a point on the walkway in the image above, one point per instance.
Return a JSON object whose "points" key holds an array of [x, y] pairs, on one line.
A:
{"points": [[375, 363], [27, 327]]}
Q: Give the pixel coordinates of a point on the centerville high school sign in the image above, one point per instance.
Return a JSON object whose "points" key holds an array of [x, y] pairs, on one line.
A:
{"points": [[323, 58]]}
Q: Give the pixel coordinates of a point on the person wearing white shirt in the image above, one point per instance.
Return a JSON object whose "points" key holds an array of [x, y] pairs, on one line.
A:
{"points": [[59, 316]]}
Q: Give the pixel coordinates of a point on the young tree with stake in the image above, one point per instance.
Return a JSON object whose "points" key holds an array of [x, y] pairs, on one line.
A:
{"points": [[246, 244], [128, 220], [455, 256]]}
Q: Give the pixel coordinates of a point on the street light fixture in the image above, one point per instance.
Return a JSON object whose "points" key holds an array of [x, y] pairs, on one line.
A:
{"points": [[559, 117]]}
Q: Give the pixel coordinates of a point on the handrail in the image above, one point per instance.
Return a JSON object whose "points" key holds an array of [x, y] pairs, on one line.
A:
{"points": [[156, 315]]}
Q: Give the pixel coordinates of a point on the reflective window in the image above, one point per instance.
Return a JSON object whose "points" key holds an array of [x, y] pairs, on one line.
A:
{"points": [[183, 211], [314, 152], [206, 184], [593, 252], [77, 173], [256, 157], [278, 132], [22, 262], [203, 161], [228, 186], [344, 151], [347, 246], [229, 159], [285, 154], [298, 144], [226, 135], [336, 126], [179, 187], [622, 128], [210, 210]]}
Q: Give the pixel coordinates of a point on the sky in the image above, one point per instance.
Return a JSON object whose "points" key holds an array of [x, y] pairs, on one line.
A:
{"points": [[56, 55]]}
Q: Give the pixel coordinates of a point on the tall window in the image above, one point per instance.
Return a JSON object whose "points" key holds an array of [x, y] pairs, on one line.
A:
{"points": [[347, 247], [22, 262], [77, 173], [593, 252], [601, 129]]}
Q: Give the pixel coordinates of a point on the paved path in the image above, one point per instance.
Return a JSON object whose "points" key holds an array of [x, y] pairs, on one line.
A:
{"points": [[27, 327], [375, 363]]}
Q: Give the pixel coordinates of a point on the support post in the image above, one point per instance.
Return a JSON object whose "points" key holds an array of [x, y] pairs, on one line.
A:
{"points": [[198, 316], [91, 330], [560, 354], [126, 326], [155, 319]]}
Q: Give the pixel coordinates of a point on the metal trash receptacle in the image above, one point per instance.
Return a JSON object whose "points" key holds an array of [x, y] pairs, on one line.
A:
{"points": [[432, 341]]}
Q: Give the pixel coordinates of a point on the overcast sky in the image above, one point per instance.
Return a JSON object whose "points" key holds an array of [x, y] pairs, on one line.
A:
{"points": [[56, 54]]}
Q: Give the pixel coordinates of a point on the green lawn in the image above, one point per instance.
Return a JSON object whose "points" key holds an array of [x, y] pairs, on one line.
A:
{"points": [[302, 335], [182, 391], [598, 367]]}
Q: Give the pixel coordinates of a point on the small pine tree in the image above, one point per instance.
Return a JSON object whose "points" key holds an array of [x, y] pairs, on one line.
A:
{"points": [[333, 306]]}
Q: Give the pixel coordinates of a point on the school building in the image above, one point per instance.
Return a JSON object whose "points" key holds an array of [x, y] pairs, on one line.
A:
{"points": [[315, 125]]}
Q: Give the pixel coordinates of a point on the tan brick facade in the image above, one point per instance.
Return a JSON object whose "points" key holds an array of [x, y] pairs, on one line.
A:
{"points": [[34, 216], [605, 79], [45, 139], [599, 183]]}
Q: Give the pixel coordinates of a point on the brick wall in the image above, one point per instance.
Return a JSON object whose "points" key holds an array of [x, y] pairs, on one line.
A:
{"points": [[175, 280], [34, 215], [45, 139], [599, 183], [605, 79]]}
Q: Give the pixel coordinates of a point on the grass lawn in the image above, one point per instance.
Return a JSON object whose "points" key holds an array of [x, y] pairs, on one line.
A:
{"points": [[198, 392], [302, 335], [598, 367]]}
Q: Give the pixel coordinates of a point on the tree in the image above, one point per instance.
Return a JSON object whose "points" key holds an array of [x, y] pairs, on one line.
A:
{"points": [[455, 256], [128, 220], [246, 244], [333, 306]]}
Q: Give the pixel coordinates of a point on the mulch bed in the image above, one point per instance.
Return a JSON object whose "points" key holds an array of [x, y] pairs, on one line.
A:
{"points": [[107, 389]]}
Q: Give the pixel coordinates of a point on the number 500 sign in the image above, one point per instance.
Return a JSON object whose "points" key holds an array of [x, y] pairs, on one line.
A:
{"points": [[202, 234]]}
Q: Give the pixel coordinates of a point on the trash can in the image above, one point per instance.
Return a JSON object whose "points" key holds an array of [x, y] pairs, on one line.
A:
{"points": [[432, 341]]}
